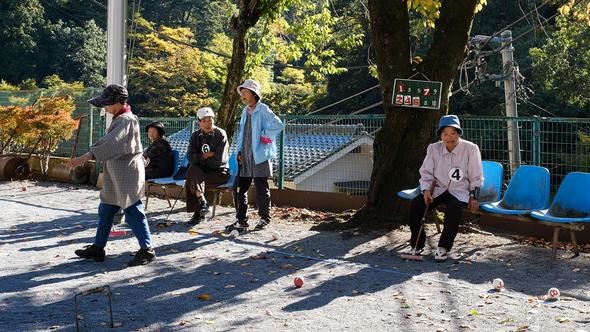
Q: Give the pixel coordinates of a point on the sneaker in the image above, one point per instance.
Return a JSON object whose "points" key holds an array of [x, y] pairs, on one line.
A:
{"points": [[91, 252], [262, 224], [197, 218], [239, 225], [440, 255], [143, 257]]}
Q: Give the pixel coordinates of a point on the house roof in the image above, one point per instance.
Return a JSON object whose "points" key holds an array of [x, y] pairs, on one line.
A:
{"points": [[308, 148]]}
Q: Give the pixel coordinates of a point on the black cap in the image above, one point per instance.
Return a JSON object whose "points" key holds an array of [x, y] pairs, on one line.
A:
{"points": [[111, 95], [158, 125]]}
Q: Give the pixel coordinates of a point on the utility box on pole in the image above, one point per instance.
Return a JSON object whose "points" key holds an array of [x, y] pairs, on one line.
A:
{"points": [[510, 97]]}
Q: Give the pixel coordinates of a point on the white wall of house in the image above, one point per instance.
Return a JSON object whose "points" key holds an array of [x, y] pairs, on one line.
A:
{"points": [[352, 166]]}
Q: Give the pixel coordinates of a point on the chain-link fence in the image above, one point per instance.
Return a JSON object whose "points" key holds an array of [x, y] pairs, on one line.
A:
{"points": [[335, 153]]}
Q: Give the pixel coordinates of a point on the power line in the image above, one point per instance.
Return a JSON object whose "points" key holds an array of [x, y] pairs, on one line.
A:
{"points": [[227, 56]]}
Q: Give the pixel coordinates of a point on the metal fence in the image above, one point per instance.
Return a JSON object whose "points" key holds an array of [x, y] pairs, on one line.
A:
{"points": [[334, 153]]}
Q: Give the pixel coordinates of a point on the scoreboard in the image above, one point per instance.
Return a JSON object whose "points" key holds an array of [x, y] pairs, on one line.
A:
{"points": [[416, 93]]}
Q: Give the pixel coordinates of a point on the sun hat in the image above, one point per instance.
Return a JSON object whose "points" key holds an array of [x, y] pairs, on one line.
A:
{"points": [[205, 112], [158, 125], [449, 121], [251, 85], [111, 95]]}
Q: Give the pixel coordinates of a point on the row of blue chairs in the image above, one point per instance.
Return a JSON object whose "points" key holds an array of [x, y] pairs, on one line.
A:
{"points": [[528, 193]]}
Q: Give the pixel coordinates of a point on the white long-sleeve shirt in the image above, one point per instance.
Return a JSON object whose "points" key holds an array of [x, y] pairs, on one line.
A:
{"points": [[459, 171]]}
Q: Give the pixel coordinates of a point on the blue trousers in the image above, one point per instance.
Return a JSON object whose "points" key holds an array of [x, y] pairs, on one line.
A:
{"points": [[135, 218]]}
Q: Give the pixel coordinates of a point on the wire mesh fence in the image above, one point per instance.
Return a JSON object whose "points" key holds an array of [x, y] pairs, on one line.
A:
{"points": [[334, 153]]}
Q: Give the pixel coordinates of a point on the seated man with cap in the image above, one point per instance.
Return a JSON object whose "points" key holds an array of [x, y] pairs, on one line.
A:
{"points": [[451, 174], [158, 156], [208, 156]]}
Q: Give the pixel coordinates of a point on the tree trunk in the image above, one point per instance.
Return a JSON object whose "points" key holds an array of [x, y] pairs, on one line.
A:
{"points": [[400, 145], [250, 13]]}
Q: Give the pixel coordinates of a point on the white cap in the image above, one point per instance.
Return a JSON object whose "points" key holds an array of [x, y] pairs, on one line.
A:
{"points": [[205, 112], [251, 85]]}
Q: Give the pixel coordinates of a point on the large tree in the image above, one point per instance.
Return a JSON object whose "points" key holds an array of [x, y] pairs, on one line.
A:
{"points": [[399, 146]]}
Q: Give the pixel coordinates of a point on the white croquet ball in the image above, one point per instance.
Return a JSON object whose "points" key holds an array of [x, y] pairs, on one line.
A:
{"points": [[275, 235], [553, 293], [498, 283], [234, 233]]}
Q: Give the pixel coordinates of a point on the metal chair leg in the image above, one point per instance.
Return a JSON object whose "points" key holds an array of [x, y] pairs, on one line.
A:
{"points": [[574, 243], [215, 202], [166, 195], [555, 238]]}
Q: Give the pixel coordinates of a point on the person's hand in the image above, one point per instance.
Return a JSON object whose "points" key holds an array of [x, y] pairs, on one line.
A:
{"points": [[473, 204], [146, 161], [75, 162], [208, 155], [427, 196], [265, 140], [239, 158]]}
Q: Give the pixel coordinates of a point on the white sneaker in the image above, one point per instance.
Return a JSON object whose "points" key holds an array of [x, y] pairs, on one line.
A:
{"points": [[440, 255]]}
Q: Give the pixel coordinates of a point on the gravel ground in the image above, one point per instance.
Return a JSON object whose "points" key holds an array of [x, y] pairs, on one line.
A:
{"points": [[206, 281]]}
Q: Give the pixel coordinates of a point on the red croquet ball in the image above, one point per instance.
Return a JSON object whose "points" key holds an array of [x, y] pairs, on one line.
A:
{"points": [[298, 281]]}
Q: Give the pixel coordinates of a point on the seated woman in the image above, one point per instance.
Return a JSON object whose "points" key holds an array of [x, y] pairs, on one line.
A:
{"points": [[158, 156]]}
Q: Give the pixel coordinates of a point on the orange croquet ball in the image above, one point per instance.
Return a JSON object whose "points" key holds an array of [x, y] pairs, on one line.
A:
{"points": [[298, 281]]}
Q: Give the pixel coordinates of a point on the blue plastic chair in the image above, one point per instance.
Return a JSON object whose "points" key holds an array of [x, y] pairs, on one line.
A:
{"points": [[163, 182], [229, 185], [528, 190], [493, 174], [493, 178], [570, 205]]}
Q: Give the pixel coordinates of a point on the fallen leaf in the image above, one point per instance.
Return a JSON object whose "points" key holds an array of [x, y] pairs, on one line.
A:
{"points": [[204, 297], [286, 266], [473, 312], [210, 322], [261, 255], [506, 320], [522, 328], [230, 286], [117, 324], [562, 319], [193, 232]]}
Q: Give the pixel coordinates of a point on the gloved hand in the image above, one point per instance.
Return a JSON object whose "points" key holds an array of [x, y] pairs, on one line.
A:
{"points": [[265, 140]]}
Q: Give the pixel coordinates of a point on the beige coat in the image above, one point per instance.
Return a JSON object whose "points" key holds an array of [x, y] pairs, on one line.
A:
{"points": [[121, 151]]}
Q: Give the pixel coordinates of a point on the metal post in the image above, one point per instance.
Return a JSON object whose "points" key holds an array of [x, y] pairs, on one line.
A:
{"points": [[510, 97], [281, 183], [116, 44], [536, 141]]}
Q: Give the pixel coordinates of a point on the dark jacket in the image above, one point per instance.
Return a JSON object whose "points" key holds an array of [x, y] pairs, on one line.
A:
{"points": [[161, 160], [216, 142]]}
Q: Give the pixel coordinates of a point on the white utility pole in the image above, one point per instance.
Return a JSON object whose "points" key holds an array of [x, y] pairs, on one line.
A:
{"points": [[116, 45], [510, 98], [509, 78]]}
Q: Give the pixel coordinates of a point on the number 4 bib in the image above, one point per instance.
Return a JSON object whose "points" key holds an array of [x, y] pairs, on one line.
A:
{"points": [[456, 174]]}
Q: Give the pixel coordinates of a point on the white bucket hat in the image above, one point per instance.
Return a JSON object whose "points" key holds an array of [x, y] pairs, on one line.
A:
{"points": [[205, 112], [251, 85]]}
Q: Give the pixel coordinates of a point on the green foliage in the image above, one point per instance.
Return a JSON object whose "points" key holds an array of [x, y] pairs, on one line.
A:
{"points": [[562, 65], [20, 21], [75, 53], [28, 84], [167, 77], [5, 86], [290, 94]]}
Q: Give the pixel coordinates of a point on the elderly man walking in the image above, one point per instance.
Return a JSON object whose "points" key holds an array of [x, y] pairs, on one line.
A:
{"points": [[124, 177]]}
